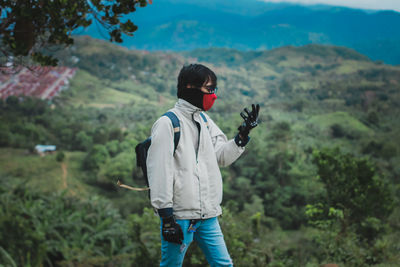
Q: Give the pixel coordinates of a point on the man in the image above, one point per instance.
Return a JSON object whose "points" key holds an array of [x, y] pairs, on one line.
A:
{"points": [[186, 183]]}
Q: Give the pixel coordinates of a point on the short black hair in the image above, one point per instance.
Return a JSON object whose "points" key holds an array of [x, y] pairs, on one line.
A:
{"points": [[196, 75]]}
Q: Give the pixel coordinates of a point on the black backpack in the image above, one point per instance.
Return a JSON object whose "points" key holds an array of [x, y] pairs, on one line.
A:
{"points": [[142, 148]]}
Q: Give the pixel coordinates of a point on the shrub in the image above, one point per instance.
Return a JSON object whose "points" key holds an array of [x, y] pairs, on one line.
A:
{"points": [[96, 156], [337, 131], [60, 156], [83, 142], [355, 190], [55, 230]]}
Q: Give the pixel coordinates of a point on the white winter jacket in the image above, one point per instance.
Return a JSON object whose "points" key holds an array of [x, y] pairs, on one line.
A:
{"points": [[190, 181]]}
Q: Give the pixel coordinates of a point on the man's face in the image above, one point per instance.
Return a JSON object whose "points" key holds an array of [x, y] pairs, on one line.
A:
{"points": [[207, 88]]}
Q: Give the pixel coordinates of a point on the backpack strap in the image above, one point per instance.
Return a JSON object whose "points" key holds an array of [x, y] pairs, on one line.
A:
{"points": [[204, 119], [176, 125]]}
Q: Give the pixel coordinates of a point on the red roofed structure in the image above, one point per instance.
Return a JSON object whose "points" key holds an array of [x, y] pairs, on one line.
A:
{"points": [[40, 82]]}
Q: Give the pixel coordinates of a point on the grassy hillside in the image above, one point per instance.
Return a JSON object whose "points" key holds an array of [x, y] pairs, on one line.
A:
{"points": [[312, 98], [88, 90], [45, 174], [328, 96]]}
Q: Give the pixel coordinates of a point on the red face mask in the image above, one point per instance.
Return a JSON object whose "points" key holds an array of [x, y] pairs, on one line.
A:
{"points": [[208, 101]]}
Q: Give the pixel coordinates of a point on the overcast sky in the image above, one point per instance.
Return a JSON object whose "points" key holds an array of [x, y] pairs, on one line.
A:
{"points": [[364, 4]]}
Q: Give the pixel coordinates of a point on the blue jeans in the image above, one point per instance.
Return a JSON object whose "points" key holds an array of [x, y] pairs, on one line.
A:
{"points": [[208, 236]]}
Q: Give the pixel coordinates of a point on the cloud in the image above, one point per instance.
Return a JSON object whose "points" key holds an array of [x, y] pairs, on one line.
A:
{"points": [[363, 4]]}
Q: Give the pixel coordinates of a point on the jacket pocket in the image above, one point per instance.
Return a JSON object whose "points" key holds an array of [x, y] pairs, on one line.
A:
{"points": [[186, 191]]}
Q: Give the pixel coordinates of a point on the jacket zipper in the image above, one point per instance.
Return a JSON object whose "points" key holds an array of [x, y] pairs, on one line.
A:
{"points": [[197, 162], [198, 140]]}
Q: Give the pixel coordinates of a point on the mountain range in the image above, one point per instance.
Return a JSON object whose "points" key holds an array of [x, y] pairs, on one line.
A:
{"points": [[255, 25]]}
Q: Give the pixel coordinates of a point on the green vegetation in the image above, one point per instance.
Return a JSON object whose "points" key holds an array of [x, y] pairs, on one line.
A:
{"points": [[293, 199], [341, 124], [355, 209]]}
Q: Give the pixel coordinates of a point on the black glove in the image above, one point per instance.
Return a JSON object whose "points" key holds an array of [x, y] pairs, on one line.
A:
{"points": [[171, 231], [250, 121]]}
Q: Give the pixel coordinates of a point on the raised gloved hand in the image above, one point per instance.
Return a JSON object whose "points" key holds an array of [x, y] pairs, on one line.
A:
{"points": [[171, 230], [250, 121]]}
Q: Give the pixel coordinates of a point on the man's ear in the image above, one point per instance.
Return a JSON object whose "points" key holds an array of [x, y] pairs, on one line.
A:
{"points": [[189, 86]]}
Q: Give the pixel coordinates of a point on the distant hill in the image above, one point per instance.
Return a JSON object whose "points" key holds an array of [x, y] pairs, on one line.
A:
{"points": [[306, 72], [186, 25], [325, 95]]}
